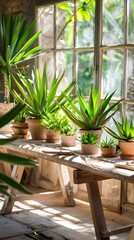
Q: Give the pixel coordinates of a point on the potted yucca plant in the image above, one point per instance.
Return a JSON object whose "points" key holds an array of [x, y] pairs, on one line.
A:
{"points": [[17, 45], [90, 114], [108, 147], [40, 99], [124, 133]]}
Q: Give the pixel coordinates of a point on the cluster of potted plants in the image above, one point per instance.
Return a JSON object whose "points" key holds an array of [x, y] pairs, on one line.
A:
{"points": [[42, 103]]}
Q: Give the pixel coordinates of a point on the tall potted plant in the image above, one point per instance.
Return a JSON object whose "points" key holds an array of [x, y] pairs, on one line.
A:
{"points": [[40, 99], [125, 135], [17, 44]]}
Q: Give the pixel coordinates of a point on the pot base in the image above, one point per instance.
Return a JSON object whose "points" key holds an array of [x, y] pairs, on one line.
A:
{"points": [[127, 157]]}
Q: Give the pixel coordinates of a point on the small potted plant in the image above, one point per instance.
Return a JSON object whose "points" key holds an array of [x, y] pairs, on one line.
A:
{"points": [[19, 127], [52, 123], [89, 143], [108, 147], [124, 133], [68, 132]]}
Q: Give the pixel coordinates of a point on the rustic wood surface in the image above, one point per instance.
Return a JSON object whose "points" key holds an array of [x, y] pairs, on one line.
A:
{"points": [[71, 157]]}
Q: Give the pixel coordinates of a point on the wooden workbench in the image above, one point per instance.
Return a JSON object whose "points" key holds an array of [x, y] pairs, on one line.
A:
{"points": [[88, 169]]}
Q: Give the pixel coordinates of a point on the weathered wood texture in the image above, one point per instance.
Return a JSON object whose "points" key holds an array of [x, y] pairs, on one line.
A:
{"points": [[10, 228], [55, 153]]}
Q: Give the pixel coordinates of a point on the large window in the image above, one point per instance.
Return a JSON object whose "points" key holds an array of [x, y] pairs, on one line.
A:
{"points": [[93, 41]]}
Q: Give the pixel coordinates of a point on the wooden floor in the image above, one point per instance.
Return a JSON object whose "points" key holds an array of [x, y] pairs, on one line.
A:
{"points": [[50, 220]]}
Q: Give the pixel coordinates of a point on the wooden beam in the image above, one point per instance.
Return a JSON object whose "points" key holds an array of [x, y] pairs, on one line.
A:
{"points": [[65, 184], [82, 176], [47, 2]]}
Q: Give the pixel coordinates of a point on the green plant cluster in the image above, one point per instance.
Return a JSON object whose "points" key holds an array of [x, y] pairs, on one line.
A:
{"points": [[40, 99], [68, 128], [52, 121], [124, 130], [92, 113], [88, 138], [106, 143]]}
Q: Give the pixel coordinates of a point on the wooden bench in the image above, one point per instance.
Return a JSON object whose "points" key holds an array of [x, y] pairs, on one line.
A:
{"points": [[88, 170]]}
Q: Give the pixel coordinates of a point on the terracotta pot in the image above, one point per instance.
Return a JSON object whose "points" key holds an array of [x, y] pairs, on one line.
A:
{"points": [[68, 141], [109, 151], [20, 130], [127, 150], [89, 149], [37, 130], [96, 132], [52, 136]]}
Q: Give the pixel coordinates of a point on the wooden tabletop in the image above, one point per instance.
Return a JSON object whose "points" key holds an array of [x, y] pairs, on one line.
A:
{"points": [[71, 157]]}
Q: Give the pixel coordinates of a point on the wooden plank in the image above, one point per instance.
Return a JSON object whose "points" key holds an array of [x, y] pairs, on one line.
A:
{"points": [[39, 196], [66, 188], [97, 211], [121, 229], [11, 228], [23, 237], [16, 174], [125, 164], [81, 176], [96, 165]]}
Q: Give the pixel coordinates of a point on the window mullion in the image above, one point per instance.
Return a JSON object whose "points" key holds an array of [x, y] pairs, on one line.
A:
{"points": [[98, 40]]}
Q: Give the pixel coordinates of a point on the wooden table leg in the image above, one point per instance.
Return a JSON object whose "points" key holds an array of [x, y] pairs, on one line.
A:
{"points": [[66, 188], [16, 174], [97, 211]]}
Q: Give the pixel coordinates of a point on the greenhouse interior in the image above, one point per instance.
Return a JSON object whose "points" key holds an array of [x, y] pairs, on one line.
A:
{"points": [[67, 120]]}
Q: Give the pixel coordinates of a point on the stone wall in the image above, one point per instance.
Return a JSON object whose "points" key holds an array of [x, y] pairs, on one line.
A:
{"points": [[26, 7]]}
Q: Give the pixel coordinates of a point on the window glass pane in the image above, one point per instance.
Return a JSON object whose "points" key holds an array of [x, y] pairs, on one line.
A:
{"points": [[65, 62], [131, 22], [113, 21], [85, 71], [65, 24], [46, 24], [47, 58], [130, 75], [112, 72], [85, 23], [130, 111]]}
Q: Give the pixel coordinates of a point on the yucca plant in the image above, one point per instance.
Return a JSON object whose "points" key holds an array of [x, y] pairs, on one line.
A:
{"points": [[91, 114], [88, 138], [11, 159], [124, 130], [106, 143], [16, 43], [40, 99]]}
